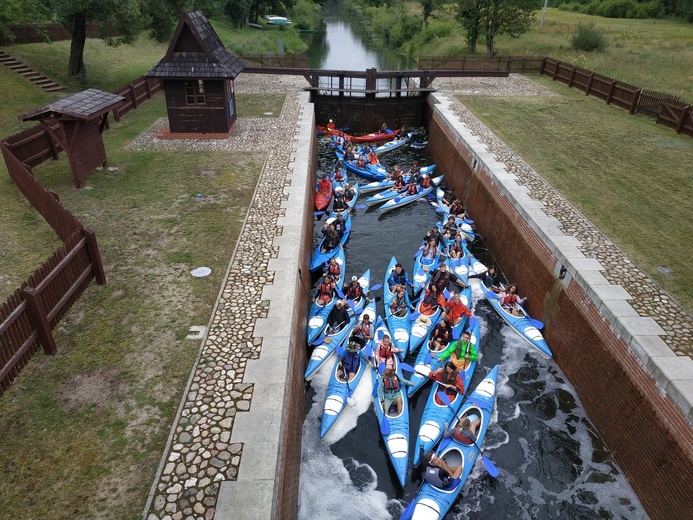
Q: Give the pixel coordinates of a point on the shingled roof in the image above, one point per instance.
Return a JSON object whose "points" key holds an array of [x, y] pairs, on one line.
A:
{"points": [[196, 51], [85, 105]]}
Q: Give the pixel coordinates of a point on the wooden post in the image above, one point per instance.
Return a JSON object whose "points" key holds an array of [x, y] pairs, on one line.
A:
{"points": [[572, 77], [682, 118], [542, 67], [148, 88], [634, 101], [133, 92], [371, 83], [589, 84], [611, 92], [341, 84], [555, 70], [94, 256], [39, 320]]}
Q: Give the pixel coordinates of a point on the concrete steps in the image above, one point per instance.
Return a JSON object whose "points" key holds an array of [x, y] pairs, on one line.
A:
{"points": [[37, 78]]}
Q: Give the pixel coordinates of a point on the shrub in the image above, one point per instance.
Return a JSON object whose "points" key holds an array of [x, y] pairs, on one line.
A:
{"points": [[305, 14], [588, 39]]}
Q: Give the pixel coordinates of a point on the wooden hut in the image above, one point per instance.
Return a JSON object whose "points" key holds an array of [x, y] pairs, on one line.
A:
{"points": [[82, 117], [198, 74]]}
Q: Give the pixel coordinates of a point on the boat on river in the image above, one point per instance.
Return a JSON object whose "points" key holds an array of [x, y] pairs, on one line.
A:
{"points": [[394, 426], [524, 324], [367, 138], [320, 257], [431, 502], [388, 183], [369, 171], [403, 200]]}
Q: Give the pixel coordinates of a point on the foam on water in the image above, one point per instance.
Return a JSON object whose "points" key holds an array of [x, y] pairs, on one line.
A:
{"points": [[330, 487]]}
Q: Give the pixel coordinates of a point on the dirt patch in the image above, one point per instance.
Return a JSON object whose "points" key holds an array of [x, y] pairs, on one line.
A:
{"points": [[94, 389]]}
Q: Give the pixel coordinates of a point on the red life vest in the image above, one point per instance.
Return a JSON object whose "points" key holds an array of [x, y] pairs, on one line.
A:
{"points": [[385, 351], [325, 289], [509, 299], [426, 183], [354, 291], [391, 384], [334, 269]]}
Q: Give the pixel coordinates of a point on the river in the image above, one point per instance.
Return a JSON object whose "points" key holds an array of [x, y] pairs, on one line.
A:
{"points": [[552, 461]]}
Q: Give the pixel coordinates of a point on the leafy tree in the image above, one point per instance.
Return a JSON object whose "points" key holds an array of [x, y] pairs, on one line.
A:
{"points": [[468, 14], [493, 17], [238, 12], [428, 6], [20, 11]]}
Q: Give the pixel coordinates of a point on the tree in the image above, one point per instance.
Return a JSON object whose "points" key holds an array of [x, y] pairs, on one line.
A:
{"points": [[428, 6], [468, 14], [493, 17]]}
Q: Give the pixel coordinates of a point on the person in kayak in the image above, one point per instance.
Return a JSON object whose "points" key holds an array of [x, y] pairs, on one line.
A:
{"points": [[338, 175], [454, 309], [384, 129], [450, 228], [509, 298], [456, 250], [396, 172], [438, 473], [429, 251], [330, 125], [349, 193], [399, 184], [373, 157], [465, 431], [426, 181], [441, 336], [461, 352], [457, 209], [442, 277], [351, 362], [334, 269], [398, 279], [490, 279], [431, 301], [338, 317], [412, 188], [325, 186], [385, 352], [332, 237], [339, 204], [325, 290], [399, 304], [415, 172], [354, 291], [449, 378], [390, 391], [340, 224], [363, 331], [434, 234]]}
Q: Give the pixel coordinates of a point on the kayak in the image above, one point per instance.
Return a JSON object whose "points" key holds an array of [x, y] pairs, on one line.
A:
{"points": [[397, 142], [322, 198], [425, 361], [522, 324], [463, 225], [420, 277], [370, 172], [431, 502], [400, 329], [436, 414], [338, 391], [403, 200], [394, 427], [368, 138], [319, 257]]}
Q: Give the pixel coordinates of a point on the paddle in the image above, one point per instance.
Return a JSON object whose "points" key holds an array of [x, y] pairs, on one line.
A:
{"points": [[490, 467], [413, 316], [318, 213], [409, 511], [375, 287], [322, 338]]}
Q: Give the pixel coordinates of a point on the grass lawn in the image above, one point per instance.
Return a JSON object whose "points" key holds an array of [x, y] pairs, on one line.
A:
{"points": [[629, 176], [82, 432]]}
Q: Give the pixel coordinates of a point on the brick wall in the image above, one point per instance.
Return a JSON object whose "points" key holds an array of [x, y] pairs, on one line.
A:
{"points": [[645, 430]]}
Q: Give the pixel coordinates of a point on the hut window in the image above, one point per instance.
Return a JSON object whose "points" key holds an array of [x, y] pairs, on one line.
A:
{"points": [[195, 92]]}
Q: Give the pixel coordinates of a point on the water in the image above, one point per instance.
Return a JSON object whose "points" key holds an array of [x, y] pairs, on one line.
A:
{"points": [[552, 462], [337, 47]]}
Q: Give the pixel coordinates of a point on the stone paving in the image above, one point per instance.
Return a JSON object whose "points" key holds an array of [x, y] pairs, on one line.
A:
{"points": [[199, 454]]}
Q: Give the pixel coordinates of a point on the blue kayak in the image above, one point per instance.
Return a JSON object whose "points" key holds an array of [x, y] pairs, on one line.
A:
{"points": [[403, 200], [319, 257], [422, 327], [523, 325], [464, 225], [370, 172], [394, 427], [431, 502], [388, 183], [397, 142], [436, 413], [421, 276]]}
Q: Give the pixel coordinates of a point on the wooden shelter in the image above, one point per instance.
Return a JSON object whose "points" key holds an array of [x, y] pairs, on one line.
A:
{"points": [[82, 118], [198, 74]]}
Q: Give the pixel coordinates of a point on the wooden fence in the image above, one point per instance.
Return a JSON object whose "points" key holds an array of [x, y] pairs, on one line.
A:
{"points": [[29, 315], [292, 61], [667, 109]]}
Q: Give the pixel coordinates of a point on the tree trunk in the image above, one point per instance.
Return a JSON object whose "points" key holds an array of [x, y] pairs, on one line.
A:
{"points": [[79, 38], [489, 49]]}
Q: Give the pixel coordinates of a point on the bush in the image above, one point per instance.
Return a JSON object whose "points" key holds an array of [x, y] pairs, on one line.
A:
{"points": [[588, 39], [305, 14]]}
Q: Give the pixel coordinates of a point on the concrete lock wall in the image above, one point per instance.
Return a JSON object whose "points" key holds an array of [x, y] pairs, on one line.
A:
{"points": [[610, 356]]}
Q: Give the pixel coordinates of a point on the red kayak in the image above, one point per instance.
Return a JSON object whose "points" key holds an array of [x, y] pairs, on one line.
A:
{"points": [[368, 138], [323, 194]]}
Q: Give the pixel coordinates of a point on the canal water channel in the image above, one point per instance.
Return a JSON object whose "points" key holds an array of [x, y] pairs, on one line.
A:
{"points": [[552, 462]]}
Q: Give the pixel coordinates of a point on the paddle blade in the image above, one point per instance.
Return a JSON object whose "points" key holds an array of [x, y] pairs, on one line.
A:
{"points": [[376, 287], [385, 426], [444, 443], [360, 206], [537, 323], [340, 352], [492, 296], [375, 389], [339, 292], [422, 371], [414, 315], [490, 467], [318, 213], [320, 340], [456, 333], [472, 322], [380, 334], [381, 368], [428, 358], [368, 351], [444, 398], [406, 367]]}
